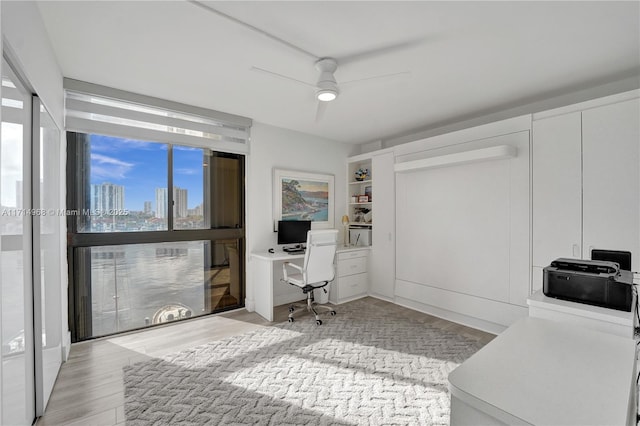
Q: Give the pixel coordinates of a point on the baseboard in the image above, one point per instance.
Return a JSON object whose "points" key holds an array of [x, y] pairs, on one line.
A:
{"points": [[385, 298], [460, 307], [458, 318]]}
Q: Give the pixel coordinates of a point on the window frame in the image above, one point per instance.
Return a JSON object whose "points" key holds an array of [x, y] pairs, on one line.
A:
{"points": [[80, 296]]}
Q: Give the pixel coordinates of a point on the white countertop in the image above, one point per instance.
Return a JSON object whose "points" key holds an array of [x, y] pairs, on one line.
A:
{"points": [[544, 372], [539, 300]]}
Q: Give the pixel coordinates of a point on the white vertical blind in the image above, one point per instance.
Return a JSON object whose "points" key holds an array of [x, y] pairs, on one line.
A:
{"points": [[91, 108]]}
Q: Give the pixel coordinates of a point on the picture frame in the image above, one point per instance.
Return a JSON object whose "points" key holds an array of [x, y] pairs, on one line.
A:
{"points": [[363, 198], [299, 195]]}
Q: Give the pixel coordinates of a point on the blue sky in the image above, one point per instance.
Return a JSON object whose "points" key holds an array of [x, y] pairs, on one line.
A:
{"points": [[141, 167]]}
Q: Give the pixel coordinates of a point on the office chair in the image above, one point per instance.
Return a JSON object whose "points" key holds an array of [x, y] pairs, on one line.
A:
{"points": [[317, 270]]}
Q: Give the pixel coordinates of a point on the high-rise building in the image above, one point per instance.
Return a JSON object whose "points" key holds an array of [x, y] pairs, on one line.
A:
{"points": [[161, 203], [179, 202], [107, 196], [147, 207], [196, 211]]}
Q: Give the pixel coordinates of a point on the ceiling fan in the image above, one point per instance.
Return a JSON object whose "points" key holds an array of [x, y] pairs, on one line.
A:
{"points": [[326, 87]]}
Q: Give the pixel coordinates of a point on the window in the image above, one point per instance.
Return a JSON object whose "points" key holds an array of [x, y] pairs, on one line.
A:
{"points": [[158, 232], [155, 211]]}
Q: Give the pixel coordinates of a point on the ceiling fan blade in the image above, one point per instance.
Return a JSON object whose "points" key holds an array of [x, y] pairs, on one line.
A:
{"points": [[260, 31], [322, 106], [275, 74], [379, 51], [395, 74]]}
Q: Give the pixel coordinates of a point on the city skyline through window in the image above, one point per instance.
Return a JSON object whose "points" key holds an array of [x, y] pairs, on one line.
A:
{"points": [[128, 186], [158, 235]]}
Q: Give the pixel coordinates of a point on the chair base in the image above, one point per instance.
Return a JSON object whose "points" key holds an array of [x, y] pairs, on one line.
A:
{"points": [[311, 306]]}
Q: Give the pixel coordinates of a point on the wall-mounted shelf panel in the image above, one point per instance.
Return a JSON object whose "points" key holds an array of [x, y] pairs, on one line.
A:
{"points": [[474, 156]]}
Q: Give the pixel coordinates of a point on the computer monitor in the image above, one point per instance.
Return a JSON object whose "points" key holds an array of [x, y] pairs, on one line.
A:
{"points": [[293, 231]]}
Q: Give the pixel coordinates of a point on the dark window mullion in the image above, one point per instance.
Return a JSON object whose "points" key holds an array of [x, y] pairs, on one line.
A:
{"points": [[170, 201]]}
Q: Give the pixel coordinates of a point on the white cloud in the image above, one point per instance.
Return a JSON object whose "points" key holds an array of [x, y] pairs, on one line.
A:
{"points": [[105, 167], [187, 171]]}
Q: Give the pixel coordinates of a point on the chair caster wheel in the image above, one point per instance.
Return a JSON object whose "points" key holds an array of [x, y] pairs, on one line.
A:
{"points": [[291, 320], [333, 313], [290, 308], [319, 322]]}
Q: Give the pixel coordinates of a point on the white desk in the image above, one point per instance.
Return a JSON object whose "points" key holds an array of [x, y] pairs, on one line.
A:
{"points": [[542, 372], [268, 289]]}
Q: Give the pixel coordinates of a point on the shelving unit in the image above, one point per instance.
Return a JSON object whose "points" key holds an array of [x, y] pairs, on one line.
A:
{"points": [[360, 210]]}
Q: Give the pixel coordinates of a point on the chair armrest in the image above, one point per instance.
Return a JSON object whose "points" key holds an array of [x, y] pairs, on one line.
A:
{"points": [[292, 265]]}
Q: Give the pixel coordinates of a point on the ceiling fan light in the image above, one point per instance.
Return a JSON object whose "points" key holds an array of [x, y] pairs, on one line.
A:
{"points": [[326, 95]]}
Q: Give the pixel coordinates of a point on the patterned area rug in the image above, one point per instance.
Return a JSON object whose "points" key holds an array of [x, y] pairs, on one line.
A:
{"points": [[361, 367]]}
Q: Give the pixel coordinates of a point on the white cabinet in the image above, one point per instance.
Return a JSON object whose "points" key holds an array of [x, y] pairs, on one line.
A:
{"points": [[586, 184], [611, 181], [382, 265], [351, 276], [557, 194]]}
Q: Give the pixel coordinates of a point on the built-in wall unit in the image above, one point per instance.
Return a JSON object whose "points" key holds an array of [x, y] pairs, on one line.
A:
{"points": [[370, 177], [586, 183], [479, 212]]}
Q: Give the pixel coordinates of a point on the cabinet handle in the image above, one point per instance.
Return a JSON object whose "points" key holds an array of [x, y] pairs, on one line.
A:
{"points": [[576, 250]]}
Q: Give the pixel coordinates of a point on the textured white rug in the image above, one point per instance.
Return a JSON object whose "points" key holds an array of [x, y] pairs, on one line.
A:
{"points": [[361, 367]]}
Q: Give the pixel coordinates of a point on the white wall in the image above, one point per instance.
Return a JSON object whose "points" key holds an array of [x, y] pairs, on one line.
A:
{"points": [[27, 43], [273, 147]]}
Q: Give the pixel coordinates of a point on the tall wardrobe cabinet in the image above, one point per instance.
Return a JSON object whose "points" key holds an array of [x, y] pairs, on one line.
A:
{"points": [[586, 181]]}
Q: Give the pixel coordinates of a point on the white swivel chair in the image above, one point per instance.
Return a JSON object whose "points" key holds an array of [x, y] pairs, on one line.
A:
{"points": [[317, 270]]}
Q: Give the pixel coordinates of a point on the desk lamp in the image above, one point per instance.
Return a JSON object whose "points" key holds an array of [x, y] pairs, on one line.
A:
{"points": [[345, 223]]}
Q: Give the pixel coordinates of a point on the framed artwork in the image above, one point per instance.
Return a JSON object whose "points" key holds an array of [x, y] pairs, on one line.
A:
{"points": [[303, 196]]}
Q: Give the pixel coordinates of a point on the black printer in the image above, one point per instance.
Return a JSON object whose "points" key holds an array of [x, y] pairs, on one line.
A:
{"points": [[594, 282]]}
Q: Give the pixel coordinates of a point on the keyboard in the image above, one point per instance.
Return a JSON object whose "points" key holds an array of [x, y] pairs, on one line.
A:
{"points": [[296, 252]]}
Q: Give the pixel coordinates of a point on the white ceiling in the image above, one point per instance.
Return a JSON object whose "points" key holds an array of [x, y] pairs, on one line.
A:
{"points": [[465, 58]]}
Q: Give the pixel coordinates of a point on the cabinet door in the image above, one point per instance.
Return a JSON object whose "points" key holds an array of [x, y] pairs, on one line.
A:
{"points": [[557, 195], [382, 265], [611, 138]]}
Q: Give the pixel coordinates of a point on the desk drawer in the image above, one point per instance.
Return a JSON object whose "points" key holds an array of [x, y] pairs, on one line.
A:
{"points": [[352, 285], [352, 266], [352, 254]]}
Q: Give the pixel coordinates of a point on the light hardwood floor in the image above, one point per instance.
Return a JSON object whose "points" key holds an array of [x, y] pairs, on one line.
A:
{"points": [[89, 389]]}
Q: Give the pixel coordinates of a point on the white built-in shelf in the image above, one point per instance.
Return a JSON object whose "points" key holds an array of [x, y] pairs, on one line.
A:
{"points": [[359, 224], [358, 182], [359, 204]]}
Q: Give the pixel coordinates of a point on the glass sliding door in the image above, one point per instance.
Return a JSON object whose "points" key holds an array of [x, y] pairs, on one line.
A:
{"points": [[47, 259], [16, 253]]}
